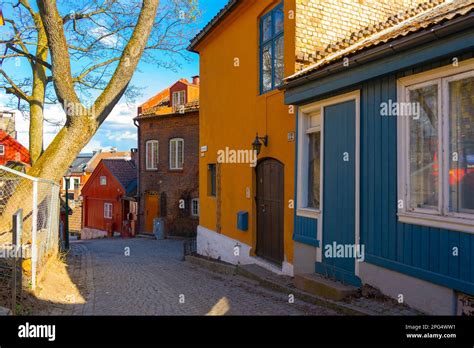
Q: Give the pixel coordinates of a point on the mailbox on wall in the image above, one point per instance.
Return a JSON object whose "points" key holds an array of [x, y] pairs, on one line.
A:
{"points": [[243, 220]]}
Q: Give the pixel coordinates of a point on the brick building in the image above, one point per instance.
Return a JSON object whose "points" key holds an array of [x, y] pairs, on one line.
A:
{"points": [[168, 148]]}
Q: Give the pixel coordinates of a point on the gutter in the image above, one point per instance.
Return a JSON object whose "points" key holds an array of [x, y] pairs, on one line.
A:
{"points": [[398, 45]]}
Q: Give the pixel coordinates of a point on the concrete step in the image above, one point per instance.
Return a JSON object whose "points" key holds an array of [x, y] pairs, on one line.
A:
{"points": [[323, 287]]}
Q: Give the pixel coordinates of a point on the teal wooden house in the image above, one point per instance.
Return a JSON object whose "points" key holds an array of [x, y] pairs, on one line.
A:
{"points": [[385, 161]]}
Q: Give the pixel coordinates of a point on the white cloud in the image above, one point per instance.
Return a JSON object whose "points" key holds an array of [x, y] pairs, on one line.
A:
{"points": [[118, 129], [127, 135]]}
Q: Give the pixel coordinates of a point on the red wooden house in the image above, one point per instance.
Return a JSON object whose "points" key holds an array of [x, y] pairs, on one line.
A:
{"points": [[12, 150], [109, 195]]}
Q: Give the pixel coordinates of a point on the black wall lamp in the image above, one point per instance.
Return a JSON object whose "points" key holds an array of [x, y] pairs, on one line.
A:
{"points": [[257, 143]]}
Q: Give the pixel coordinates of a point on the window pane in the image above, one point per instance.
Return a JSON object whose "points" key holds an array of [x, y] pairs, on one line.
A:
{"points": [[278, 20], [180, 153], [314, 169], [461, 151], [267, 68], [279, 61], [424, 171], [173, 154], [267, 28]]}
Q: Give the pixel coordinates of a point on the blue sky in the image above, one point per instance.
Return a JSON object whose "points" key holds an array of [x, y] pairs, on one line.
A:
{"points": [[118, 130]]}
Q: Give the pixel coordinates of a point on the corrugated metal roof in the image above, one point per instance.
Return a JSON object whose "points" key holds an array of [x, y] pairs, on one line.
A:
{"points": [[436, 15]]}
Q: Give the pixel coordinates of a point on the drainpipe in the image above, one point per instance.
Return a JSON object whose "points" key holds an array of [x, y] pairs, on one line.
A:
{"points": [[135, 122]]}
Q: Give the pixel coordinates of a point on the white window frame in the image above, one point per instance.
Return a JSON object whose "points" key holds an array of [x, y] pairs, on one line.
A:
{"points": [[108, 210], [74, 180], [2, 150], [305, 128], [177, 99], [440, 217], [192, 207], [174, 146], [152, 166], [103, 180], [67, 182]]}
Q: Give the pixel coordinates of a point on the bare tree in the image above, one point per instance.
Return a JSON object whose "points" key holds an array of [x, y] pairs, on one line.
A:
{"points": [[96, 33], [89, 57]]}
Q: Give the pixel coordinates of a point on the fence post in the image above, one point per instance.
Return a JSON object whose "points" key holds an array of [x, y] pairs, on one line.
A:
{"points": [[34, 227], [16, 245]]}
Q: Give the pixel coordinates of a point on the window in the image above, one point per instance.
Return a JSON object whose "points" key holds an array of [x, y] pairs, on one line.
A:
{"points": [[103, 180], [77, 183], [108, 210], [151, 156], [195, 207], [436, 143], [178, 100], [176, 153], [211, 180], [2, 150], [309, 175], [271, 49], [71, 183]]}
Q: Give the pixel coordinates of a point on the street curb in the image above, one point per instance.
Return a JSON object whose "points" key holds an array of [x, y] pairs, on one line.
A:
{"points": [[229, 269]]}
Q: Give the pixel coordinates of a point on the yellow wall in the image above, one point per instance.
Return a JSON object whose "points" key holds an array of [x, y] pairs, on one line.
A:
{"points": [[232, 111]]}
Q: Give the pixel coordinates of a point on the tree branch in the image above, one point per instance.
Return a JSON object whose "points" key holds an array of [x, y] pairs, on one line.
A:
{"points": [[14, 89], [61, 65]]}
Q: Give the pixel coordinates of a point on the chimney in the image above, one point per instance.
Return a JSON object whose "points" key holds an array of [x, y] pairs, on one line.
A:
{"points": [[134, 155], [113, 149], [196, 80]]}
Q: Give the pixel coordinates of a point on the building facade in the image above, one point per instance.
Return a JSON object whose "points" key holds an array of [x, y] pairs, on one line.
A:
{"points": [[168, 150], [11, 150], [108, 197], [385, 160], [77, 176], [248, 201]]}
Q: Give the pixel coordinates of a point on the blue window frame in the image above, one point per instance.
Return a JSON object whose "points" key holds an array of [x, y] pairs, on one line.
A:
{"points": [[271, 49]]}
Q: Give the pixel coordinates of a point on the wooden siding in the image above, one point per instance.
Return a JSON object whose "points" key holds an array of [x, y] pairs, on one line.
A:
{"points": [[418, 251], [306, 230], [423, 252]]}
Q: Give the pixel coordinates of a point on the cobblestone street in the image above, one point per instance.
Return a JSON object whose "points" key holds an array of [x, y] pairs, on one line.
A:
{"points": [[153, 280]]}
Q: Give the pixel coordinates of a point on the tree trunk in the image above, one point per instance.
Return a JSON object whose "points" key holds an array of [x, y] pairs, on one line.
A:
{"points": [[38, 95]]}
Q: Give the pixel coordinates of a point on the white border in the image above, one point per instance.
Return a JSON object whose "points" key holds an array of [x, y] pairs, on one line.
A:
{"points": [[441, 219], [151, 142]]}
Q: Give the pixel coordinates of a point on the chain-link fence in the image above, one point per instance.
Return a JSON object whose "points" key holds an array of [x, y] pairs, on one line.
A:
{"points": [[40, 204]]}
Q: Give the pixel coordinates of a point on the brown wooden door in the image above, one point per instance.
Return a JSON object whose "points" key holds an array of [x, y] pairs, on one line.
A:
{"points": [[270, 209], [152, 211]]}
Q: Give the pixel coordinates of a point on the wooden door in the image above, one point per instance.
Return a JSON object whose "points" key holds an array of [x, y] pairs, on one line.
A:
{"points": [[270, 209], [339, 193], [152, 211]]}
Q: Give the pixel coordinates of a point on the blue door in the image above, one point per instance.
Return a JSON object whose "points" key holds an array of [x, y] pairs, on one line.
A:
{"points": [[339, 193]]}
